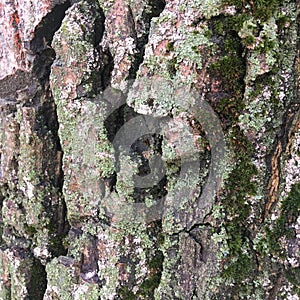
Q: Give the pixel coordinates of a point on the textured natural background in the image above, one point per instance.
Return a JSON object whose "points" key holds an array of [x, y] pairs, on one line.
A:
{"points": [[59, 171]]}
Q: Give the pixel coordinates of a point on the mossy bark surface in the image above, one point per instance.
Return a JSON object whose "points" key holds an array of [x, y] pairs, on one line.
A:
{"points": [[80, 79]]}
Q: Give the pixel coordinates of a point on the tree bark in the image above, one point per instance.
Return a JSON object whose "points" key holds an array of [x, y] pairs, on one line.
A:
{"points": [[150, 149]]}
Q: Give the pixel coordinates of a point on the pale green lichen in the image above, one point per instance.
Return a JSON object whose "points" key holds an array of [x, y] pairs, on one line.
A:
{"points": [[23, 273], [161, 92], [248, 29], [106, 5], [188, 49], [258, 111], [125, 183], [170, 261], [183, 49], [257, 118], [134, 239], [110, 275], [265, 48], [64, 283], [81, 118], [207, 8]]}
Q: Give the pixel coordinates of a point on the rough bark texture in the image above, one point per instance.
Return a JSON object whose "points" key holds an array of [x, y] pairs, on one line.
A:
{"points": [[67, 72]]}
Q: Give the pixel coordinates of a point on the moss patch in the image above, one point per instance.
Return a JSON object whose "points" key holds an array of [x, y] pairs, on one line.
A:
{"points": [[261, 9], [289, 213], [230, 69]]}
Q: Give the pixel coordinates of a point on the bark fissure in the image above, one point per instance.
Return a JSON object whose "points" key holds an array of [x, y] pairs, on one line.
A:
{"points": [[289, 125], [87, 210]]}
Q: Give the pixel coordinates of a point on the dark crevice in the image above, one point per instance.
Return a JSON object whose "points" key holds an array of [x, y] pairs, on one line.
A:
{"points": [[196, 234], [195, 295], [107, 68], [288, 122], [47, 125], [3, 195], [154, 261], [198, 225], [47, 122], [89, 264], [47, 27], [40, 46], [117, 119], [229, 70], [101, 73], [112, 124], [122, 115], [99, 27], [138, 152], [156, 8], [38, 281], [106, 58], [32, 269]]}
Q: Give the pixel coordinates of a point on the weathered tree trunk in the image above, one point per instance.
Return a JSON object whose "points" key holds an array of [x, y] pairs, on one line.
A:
{"points": [[150, 149]]}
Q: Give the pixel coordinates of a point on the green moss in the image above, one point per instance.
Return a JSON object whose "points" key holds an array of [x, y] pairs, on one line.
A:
{"points": [[226, 25], [170, 47], [149, 285], [265, 9], [282, 21], [56, 244], [293, 276], [239, 269], [38, 282], [237, 210], [61, 279], [188, 49], [261, 77], [30, 230], [291, 206], [289, 213], [157, 261], [260, 9], [249, 40], [240, 183], [126, 294], [231, 69]]}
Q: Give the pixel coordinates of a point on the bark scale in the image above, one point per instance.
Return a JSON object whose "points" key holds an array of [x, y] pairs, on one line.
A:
{"points": [[71, 223]]}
